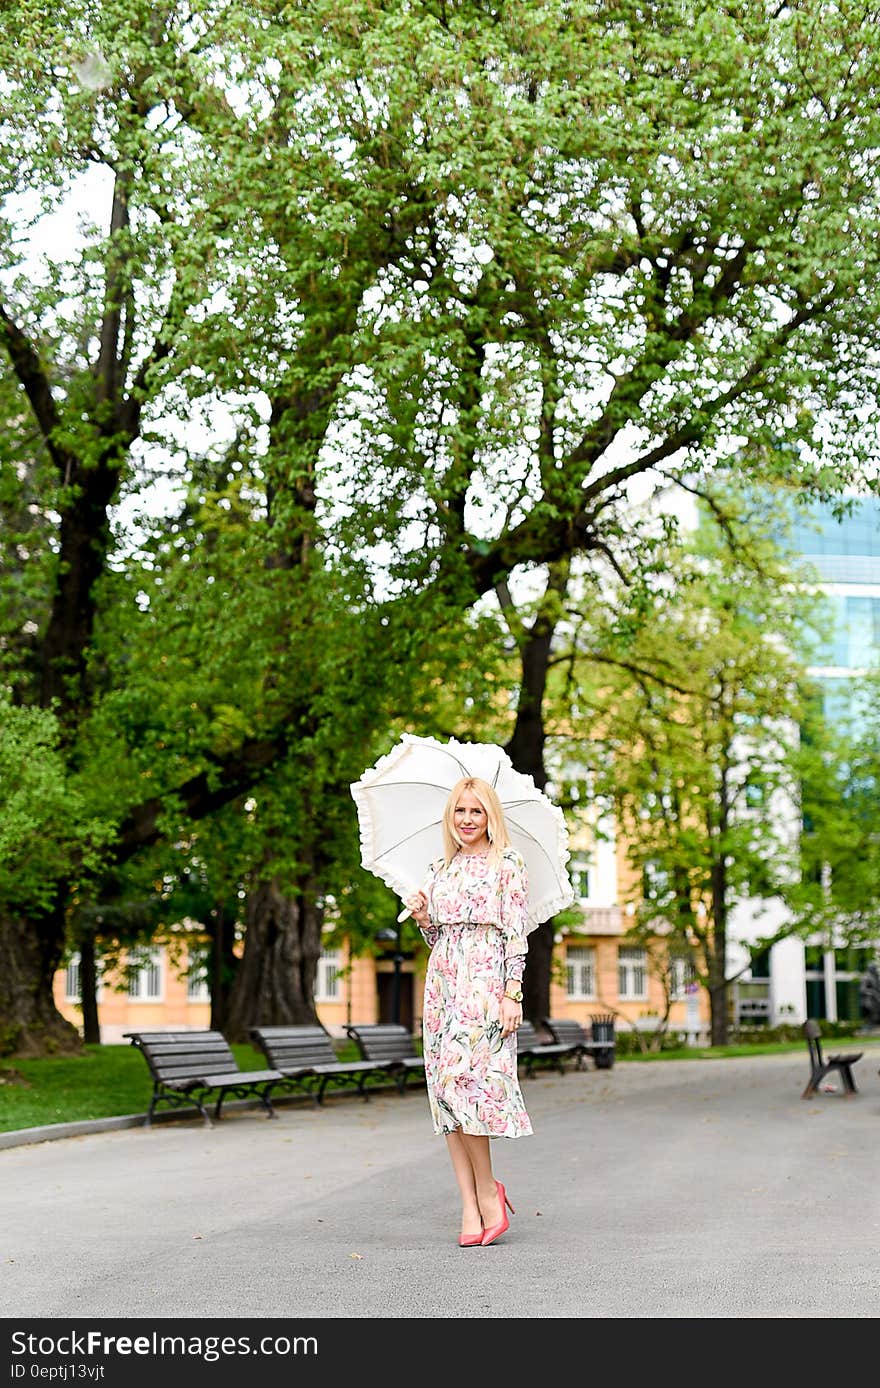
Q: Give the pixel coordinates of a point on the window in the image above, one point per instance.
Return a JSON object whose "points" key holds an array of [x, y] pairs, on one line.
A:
{"points": [[72, 981], [580, 971], [145, 975], [327, 982], [682, 975], [849, 965], [849, 1005], [852, 960], [632, 973], [197, 986], [579, 872], [863, 631]]}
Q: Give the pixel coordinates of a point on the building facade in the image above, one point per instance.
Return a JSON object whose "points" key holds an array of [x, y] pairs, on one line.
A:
{"points": [[595, 973], [818, 977]]}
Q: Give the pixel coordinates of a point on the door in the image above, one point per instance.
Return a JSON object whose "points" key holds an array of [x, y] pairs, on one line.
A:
{"points": [[385, 989]]}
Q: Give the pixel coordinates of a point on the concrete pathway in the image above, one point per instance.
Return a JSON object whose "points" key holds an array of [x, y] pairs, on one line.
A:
{"points": [[681, 1189]]}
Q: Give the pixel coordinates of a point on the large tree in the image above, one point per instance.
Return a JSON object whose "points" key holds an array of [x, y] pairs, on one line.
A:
{"points": [[472, 271], [694, 695]]}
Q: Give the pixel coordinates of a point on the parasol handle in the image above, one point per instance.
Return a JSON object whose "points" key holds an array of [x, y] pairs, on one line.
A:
{"points": [[404, 915]]}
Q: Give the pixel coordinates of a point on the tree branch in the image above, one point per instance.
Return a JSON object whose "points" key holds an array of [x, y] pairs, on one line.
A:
{"points": [[202, 794], [29, 370]]}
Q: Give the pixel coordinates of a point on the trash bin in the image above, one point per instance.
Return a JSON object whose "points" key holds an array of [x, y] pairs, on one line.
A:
{"points": [[603, 1031]]}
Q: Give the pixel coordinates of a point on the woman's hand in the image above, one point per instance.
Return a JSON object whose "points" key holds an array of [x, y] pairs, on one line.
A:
{"points": [[511, 1016], [418, 908]]}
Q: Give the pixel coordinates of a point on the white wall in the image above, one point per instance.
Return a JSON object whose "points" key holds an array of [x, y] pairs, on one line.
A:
{"points": [[752, 921], [788, 989]]}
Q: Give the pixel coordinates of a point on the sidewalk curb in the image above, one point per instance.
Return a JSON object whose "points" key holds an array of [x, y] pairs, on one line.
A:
{"points": [[52, 1132], [82, 1127]]}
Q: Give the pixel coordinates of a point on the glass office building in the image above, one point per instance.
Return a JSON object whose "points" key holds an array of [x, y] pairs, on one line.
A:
{"points": [[844, 554]]}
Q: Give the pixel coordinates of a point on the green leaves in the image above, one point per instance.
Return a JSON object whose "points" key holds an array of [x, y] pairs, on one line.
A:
{"points": [[696, 687], [46, 830], [400, 301]]}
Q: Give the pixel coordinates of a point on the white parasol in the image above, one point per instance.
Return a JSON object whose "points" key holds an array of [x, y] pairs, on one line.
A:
{"points": [[400, 803]]}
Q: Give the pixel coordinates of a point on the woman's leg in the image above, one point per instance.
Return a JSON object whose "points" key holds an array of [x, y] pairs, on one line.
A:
{"points": [[464, 1175], [479, 1157]]}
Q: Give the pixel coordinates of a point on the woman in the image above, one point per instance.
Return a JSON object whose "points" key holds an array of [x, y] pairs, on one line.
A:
{"points": [[472, 912]]}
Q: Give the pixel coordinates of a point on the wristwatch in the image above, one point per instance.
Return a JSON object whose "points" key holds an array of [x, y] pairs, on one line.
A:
{"points": [[514, 994]]}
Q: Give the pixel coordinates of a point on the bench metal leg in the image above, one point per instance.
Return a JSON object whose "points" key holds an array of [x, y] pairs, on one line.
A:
{"points": [[177, 1099], [846, 1078], [262, 1095], [812, 1085], [266, 1101]]}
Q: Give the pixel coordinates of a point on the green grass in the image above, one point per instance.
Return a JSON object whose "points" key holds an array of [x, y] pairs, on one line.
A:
{"points": [[104, 1082], [717, 1052]]}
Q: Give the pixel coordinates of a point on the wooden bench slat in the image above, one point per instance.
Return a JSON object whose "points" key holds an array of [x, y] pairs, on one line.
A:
{"points": [[243, 1077], [532, 1051], [568, 1031], [305, 1056], [187, 1066], [390, 1044]]}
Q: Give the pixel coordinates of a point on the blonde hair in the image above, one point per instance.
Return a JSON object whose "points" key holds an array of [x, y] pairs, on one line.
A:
{"points": [[495, 822]]}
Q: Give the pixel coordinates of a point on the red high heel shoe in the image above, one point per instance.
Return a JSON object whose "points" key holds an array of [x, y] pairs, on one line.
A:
{"points": [[495, 1231], [470, 1240]]}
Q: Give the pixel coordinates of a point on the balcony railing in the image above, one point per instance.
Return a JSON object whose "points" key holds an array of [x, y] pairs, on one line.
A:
{"points": [[600, 920]]}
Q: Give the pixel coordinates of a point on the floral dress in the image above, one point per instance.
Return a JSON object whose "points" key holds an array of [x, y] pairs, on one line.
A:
{"points": [[477, 935]]}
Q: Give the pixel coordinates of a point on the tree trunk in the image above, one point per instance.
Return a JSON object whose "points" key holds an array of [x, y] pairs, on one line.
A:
{"points": [[88, 988], [526, 751], [718, 1009], [275, 982], [30, 1023], [719, 986], [224, 964], [536, 979]]}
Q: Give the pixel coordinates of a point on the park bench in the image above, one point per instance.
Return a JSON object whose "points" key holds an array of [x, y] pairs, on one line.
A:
{"points": [[567, 1030], [531, 1051], [188, 1066], [304, 1055], [822, 1065], [392, 1045]]}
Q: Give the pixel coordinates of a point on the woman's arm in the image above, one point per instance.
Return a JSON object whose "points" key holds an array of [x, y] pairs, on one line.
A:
{"points": [[514, 891], [514, 914], [419, 905]]}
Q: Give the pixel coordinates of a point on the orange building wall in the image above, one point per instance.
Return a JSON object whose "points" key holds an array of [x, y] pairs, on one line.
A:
{"points": [[358, 999], [627, 1010], [117, 1012]]}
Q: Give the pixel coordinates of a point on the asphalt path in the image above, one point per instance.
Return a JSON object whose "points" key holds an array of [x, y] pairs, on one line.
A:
{"points": [[680, 1189]]}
